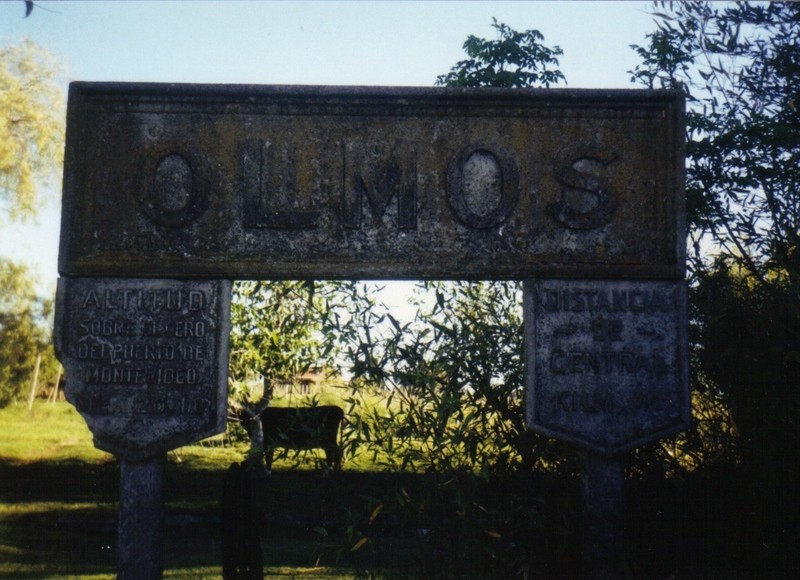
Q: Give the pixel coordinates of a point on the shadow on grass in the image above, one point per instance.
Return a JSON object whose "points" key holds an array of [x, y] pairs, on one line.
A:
{"points": [[58, 519], [58, 481]]}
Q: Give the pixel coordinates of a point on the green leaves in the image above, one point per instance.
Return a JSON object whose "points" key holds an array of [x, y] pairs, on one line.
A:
{"points": [[453, 383], [455, 374], [513, 60], [280, 329], [739, 64], [24, 333], [740, 67], [31, 125]]}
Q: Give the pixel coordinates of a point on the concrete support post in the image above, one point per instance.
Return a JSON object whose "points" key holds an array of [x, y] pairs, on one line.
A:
{"points": [[601, 488], [140, 531]]}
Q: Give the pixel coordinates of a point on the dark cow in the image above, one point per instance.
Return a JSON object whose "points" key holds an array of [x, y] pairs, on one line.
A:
{"points": [[303, 428]]}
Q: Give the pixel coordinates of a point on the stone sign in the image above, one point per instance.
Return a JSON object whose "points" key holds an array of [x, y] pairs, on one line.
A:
{"points": [[607, 361], [146, 360], [580, 192], [352, 182]]}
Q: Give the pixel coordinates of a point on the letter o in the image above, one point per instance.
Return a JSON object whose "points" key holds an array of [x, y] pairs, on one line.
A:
{"points": [[173, 194], [480, 173]]}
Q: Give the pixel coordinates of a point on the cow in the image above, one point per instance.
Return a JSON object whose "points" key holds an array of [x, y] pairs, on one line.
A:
{"points": [[303, 428]]}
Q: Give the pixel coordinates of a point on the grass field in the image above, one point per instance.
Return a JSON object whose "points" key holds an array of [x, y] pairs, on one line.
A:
{"points": [[59, 498]]}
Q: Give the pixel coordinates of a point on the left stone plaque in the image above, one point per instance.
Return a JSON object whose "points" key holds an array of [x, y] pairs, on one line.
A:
{"points": [[146, 360]]}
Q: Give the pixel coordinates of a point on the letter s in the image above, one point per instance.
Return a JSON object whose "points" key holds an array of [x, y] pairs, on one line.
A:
{"points": [[572, 168]]}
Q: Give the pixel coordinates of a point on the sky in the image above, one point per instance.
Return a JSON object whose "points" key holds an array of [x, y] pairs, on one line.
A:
{"points": [[384, 43]]}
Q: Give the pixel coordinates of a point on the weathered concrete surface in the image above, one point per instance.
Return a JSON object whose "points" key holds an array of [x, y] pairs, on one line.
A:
{"points": [[322, 182], [140, 528], [146, 360], [603, 533], [607, 361]]}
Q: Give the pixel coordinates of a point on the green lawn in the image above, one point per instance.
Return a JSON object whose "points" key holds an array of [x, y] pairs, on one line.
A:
{"points": [[59, 497], [58, 502]]}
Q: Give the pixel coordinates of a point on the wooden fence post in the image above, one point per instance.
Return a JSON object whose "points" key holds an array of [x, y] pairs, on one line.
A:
{"points": [[54, 392], [35, 383]]}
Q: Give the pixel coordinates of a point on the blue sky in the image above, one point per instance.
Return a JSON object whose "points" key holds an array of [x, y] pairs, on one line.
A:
{"points": [[341, 43]]}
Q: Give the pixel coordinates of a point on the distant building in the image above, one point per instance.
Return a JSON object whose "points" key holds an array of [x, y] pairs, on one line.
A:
{"points": [[310, 382]]}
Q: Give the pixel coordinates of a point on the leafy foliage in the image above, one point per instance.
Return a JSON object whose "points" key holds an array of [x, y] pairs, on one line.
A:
{"points": [[455, 385], [457, 372], [513, 60], [280, 330], [749, 350], [31, 148], [272, 329], [740, 67], [31, 125], [23, 333], [739, 64]]}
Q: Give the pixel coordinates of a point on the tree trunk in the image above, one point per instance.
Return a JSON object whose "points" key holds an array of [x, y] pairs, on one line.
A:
{"points": [[250, 416]]}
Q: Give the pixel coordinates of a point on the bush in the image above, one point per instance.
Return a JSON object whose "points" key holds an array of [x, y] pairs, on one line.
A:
{"points": [[23, 334]]}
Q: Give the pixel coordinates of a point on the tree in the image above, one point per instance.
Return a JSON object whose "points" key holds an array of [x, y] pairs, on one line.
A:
{"points": [[739, 64], [31, 125], [272, 338], [24, 318], [513, 60], [740, 67], [281, 329], [455, 375], [31, 149], [273, 328], [474, 340]]}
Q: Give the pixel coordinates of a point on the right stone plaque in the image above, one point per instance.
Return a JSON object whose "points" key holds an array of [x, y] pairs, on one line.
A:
{"points": [[607, 361]]}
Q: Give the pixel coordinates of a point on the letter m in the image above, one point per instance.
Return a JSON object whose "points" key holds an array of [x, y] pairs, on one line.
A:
{"points": [[378, 176]]}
